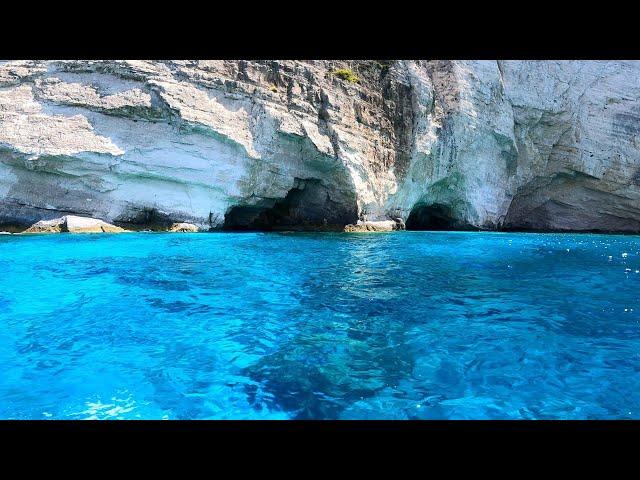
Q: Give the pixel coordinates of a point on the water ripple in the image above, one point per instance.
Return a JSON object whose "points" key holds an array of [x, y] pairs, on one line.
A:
{"points": [[414, 325]]}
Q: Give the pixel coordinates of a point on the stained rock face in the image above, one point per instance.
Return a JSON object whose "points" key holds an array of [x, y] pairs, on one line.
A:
{"points": [[73, 224], [289, 144]]}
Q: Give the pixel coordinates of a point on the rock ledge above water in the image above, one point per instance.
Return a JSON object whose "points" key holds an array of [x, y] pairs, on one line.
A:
{"points": [[376, 226], [73, 224], [184, 228]]}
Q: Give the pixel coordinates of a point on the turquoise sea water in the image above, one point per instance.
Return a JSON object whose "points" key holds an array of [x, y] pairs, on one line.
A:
{"points": [[412, 325]]}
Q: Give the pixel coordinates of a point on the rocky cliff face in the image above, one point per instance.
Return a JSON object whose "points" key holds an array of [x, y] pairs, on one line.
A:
{"points": [[299, 144]]}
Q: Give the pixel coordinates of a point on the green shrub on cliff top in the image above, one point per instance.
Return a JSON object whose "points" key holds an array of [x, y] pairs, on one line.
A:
{"points": [[346, 74]]}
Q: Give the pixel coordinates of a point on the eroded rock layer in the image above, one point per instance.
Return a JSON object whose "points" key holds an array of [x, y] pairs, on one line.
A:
{"points": [[543, 145]]}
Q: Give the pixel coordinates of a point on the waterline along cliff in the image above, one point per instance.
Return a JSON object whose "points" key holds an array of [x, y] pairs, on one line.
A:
{"points": [[533, 145]]}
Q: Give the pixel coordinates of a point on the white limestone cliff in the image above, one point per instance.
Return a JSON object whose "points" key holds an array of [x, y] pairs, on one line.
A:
{"points": [[275, 144]]}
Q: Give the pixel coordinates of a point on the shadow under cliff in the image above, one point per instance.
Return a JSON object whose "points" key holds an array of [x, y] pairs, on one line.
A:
{"points": [[308, 206], [436, 217]]}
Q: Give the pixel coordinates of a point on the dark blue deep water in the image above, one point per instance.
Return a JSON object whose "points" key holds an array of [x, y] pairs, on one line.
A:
{"points": [[415, 325]]}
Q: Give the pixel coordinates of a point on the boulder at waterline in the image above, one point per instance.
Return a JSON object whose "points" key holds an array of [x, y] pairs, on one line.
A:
{"points": [[375, 226], [73, 224], [184, 228]]}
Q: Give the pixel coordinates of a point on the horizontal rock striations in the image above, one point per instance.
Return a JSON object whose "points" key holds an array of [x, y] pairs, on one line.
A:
{"points": [[269, 145]]}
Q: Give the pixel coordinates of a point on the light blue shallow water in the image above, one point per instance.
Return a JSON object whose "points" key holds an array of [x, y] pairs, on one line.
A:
{"points": [[415, 325]]}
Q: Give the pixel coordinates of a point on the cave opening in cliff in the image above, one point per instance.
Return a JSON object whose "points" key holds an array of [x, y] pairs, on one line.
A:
{"points": [[307, 206], [144, 218], [435, 216]]}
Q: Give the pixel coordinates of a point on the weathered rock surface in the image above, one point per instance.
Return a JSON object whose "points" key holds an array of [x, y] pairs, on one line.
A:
{"points": [[73, 224], [184, 227], [288, 144], [47, 226], [376, 226]]}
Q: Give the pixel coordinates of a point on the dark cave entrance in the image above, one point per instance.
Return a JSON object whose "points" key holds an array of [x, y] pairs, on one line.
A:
{"points": [[144, 218], [307, 206], [432, 217]]}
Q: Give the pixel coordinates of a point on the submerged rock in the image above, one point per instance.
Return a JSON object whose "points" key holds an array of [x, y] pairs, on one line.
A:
{"points": [[184, 227], [73, 224]]}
